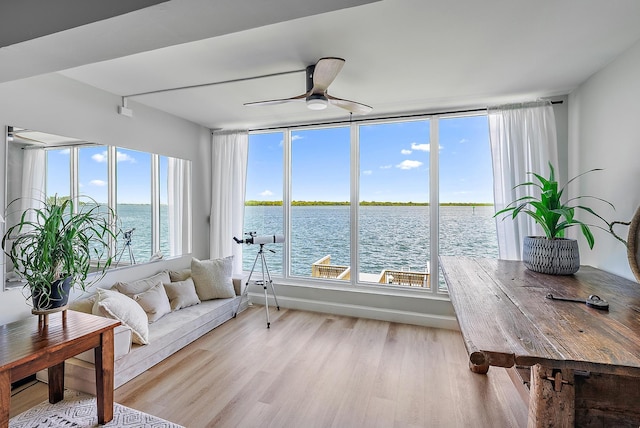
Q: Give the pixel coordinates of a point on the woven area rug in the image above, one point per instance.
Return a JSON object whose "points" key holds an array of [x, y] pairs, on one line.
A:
{"points": [[79, 410]]}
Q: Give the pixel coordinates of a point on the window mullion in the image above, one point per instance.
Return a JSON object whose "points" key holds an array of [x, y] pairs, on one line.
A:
{"points": [[112, 192], [434, 204], [155, 203], [355, 197], [286, 202], [73, 170]]}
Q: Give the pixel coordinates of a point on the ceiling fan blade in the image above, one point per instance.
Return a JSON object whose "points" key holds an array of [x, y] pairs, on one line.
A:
{"points": [[300, 97], [325, 71], [351, 106]]}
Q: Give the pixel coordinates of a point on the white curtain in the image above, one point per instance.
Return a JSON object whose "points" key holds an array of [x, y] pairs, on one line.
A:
{"points": [[523, 139], [228, 177], [33, 181], [179, 205]]}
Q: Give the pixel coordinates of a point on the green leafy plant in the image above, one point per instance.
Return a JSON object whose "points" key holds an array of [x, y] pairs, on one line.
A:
{"points": [[58, 240], [550, 212]]}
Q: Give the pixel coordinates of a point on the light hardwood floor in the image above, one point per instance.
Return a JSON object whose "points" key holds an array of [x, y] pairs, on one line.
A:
{"points": [[318, 370]]}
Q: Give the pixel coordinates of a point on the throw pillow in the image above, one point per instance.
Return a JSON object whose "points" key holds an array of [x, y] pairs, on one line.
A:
{"points": [[83, 305], [179, 275], [212, 278], [182, 294], [114, 305], [154, 301], [142, 285]]}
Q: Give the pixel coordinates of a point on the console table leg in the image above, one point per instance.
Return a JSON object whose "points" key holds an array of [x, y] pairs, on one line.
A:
{"points": [[552, 398], [56, 382], [104, 377], [478, 363], [5, 397]]}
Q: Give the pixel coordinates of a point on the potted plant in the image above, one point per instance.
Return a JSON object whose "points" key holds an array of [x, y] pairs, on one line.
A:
{"points": [[57, 245], [553, 253]]}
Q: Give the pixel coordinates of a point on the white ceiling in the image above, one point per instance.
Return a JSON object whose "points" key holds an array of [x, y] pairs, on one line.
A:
{"points": [[402, 56]]}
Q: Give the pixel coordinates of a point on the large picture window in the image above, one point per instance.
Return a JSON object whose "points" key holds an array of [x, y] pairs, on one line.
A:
{"points": [[357, 201], [263, 196], [393, 212], [466, 226], [319, 232]]}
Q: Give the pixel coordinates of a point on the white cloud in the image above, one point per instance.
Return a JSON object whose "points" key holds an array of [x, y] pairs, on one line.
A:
{"points": [[425, 147], [409, 164], [367, 172], [406, 151], [100, 157], [386, 167], [100, 183], [65, 152], [293, 138], [123, 157], [464, 140], [266, 193]]}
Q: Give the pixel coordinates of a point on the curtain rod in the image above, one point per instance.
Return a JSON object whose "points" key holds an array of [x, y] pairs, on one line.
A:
{"points": [[61, 146], [371, 119]]}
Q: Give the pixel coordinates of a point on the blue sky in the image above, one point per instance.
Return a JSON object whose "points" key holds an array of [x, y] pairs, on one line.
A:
{"points": [[394, 163], [133, 174]]}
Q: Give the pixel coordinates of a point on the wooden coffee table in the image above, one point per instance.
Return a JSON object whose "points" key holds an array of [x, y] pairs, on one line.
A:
{"points": [[584, 363], [27, 346]]}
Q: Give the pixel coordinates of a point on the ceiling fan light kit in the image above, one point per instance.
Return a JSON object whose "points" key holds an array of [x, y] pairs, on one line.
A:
{"points": [[318, 78], [317, 102]]}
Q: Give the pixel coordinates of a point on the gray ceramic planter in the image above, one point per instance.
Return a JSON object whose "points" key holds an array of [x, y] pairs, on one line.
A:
{"points": [[551, 256]]}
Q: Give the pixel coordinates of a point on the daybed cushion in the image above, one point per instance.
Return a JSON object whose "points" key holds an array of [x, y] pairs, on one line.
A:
{"points": [[142, 285], [154, 301], [182, 294], [212, 278], [114, 305]]}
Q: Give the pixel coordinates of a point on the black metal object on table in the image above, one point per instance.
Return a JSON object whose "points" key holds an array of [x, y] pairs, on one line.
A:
{"points": [[593, 301]]}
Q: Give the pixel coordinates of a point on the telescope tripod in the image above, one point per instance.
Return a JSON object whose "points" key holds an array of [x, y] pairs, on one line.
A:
{"points": [[127, 245], [264, 283]]}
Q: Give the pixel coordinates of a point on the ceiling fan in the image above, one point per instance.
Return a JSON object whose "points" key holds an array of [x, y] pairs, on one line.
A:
{"points": [[319, 77]]}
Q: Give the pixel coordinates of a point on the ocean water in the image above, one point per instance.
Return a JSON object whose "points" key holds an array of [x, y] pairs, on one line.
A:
{"points": [[390, 237], [395, 237], [138, 217]]}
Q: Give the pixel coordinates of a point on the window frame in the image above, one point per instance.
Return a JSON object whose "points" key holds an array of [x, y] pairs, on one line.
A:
{"points": [[434, 206]]}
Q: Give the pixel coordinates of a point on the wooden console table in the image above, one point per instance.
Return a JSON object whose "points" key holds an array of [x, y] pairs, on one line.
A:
{"points": [[585, 363], [28, 346]]}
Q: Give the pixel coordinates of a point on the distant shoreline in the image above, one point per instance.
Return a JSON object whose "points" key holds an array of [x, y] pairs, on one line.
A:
{"points": [[254, 203]]}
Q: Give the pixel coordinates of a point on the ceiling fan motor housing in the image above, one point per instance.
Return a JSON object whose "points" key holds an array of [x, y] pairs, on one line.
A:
{"points": [[310, 70], [317, 100]]}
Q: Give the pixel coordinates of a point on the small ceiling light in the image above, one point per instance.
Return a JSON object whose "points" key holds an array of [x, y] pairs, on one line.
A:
{"points": [[317, 102]]}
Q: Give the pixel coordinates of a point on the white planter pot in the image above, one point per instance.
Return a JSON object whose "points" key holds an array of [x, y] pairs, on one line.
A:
{"points": [[551, 256]]}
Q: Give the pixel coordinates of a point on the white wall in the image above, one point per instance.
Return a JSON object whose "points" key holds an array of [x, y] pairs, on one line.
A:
{"points": [[604, 132], [58, 105]]}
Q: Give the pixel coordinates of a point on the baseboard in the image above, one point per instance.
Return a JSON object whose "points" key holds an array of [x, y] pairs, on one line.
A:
{"points": [[17, 384], [360, 311]]}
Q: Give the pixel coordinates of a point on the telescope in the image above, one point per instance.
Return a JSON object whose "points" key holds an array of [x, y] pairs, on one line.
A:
{"points": [[252, 238], [128, 233]]}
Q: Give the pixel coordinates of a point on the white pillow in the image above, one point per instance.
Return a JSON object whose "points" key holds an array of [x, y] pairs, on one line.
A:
{"points": [[114, 305], [182, 294], [142, 285], [179, 275], [212, 278], [83, 305], [154, 301]]}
